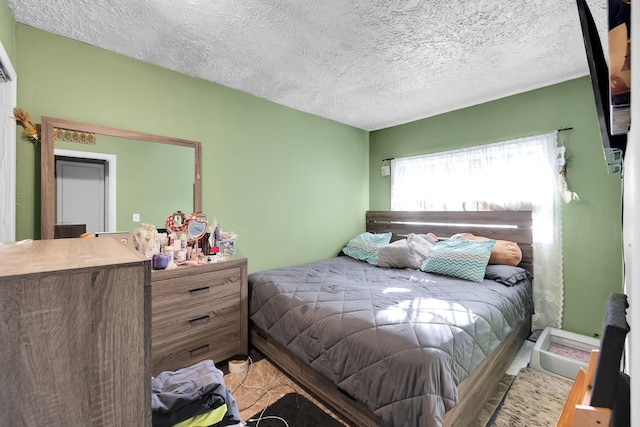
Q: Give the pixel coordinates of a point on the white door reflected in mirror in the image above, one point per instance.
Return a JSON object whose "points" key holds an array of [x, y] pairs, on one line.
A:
{"points": [[81, 194]]}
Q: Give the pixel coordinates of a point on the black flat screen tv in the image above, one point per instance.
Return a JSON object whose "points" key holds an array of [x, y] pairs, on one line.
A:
{"points": [[613, 145]]}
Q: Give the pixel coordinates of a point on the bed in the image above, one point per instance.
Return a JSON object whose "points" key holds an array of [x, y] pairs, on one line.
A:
{"points": [[393, 346]]}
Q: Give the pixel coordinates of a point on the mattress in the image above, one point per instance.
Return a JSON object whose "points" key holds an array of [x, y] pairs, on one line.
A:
{"points": [[397, 340]]}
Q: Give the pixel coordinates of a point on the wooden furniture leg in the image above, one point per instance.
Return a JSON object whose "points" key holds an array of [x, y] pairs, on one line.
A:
{"points": [[577, 412]]}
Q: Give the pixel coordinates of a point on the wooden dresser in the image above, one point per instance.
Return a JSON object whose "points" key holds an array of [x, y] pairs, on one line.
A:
{"points": [[199, 313], [74, 327]]}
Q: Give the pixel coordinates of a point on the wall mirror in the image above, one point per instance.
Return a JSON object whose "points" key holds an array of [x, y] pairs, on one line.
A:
{"points": [[144, 174]]}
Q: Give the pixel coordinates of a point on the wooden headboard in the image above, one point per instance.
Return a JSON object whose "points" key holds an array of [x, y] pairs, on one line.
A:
{"points": [[500, 225]]}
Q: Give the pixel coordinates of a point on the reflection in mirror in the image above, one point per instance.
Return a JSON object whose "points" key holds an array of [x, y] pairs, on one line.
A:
{"points": [[196, 225], [85, 191], [151, 179], [152, 175]]}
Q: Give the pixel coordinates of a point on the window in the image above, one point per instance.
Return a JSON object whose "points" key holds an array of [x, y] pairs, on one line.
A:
{"points": [[519, 174]]}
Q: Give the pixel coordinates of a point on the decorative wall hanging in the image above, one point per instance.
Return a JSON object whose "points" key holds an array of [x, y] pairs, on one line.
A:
{"points": [[30, 130], [74, 136], [567, 195]]}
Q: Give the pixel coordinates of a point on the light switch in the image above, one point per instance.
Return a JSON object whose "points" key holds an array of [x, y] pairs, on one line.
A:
{"points": [[136, 217]]}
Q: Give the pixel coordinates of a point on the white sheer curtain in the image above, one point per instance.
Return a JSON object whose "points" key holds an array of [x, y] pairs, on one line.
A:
{"points": [[519, 174]]}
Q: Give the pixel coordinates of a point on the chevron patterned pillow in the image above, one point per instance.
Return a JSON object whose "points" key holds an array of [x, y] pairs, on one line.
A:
{"points": [[465, 259], [365, 246]]}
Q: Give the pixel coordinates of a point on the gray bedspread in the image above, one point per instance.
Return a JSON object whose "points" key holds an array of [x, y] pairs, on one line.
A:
{"points": [[400, 341]]}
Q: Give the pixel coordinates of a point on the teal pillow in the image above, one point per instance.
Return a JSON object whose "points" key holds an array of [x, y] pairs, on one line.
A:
{"points": [[465, 259], [365, 246]]}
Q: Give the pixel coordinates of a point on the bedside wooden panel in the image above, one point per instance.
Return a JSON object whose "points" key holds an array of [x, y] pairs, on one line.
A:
{"points": [[199, 313]]}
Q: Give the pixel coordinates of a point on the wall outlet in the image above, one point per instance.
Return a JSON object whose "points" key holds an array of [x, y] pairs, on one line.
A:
{"points": [[136, 217]]}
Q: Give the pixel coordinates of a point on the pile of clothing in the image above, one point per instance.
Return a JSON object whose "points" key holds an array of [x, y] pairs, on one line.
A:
{"points": [[195, 396]]}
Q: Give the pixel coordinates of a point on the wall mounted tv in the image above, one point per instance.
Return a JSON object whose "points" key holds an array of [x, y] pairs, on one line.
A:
{"points": [[613, 145]]}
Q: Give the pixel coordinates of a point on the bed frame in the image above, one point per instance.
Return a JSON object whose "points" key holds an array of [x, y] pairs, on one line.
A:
{"points": [[478, 387]]}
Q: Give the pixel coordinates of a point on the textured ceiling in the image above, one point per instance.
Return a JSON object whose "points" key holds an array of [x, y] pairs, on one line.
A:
{"points": [[369, 64]]}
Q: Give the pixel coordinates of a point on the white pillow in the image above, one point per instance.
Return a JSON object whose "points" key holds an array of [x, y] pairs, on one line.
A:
{"points": [[397, 255], [421, 245]]}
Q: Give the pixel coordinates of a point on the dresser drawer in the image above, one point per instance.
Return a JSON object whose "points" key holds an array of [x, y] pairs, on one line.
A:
{"points": [[198, 313], [190, 290], [175, 325], [218, 344]]}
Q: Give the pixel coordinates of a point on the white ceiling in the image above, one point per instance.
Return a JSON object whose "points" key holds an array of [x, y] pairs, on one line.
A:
{"points": [[369, 64]]}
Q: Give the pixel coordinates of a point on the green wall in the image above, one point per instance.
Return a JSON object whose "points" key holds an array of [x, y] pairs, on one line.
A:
{"points": [[592, 227], [7, 29], [293, 186], [282, 179], [159, 190]]}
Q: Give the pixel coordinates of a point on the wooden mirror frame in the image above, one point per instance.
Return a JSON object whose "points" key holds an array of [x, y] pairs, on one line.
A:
{"points": [[47, 163]]}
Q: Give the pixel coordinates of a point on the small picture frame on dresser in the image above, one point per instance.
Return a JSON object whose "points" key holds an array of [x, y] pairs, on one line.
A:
{"points": [[227, 247]]}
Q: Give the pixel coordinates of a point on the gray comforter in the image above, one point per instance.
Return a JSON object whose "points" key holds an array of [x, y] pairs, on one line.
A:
{"points": [[400, 341]]}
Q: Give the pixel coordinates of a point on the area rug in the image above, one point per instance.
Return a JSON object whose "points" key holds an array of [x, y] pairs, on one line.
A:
{"points": [[297, 411], [534, 399]]}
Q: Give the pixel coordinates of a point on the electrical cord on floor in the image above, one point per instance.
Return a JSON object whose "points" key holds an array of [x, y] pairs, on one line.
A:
{"points": [[265, 391], [244, 377], [262, 416], [262, 395], [241, 384], [268, 417]]}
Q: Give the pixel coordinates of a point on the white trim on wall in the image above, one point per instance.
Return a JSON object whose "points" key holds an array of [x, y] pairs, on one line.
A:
{"points": [[110, 179], [8, 99]]}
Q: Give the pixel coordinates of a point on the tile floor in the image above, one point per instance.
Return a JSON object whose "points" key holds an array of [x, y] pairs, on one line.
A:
{"points": [[263, 384], [522, 358]]}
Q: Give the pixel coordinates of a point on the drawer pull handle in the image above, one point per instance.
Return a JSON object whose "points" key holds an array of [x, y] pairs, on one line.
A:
{"points": [[193, 291], [198, 320], [198, 350]]}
